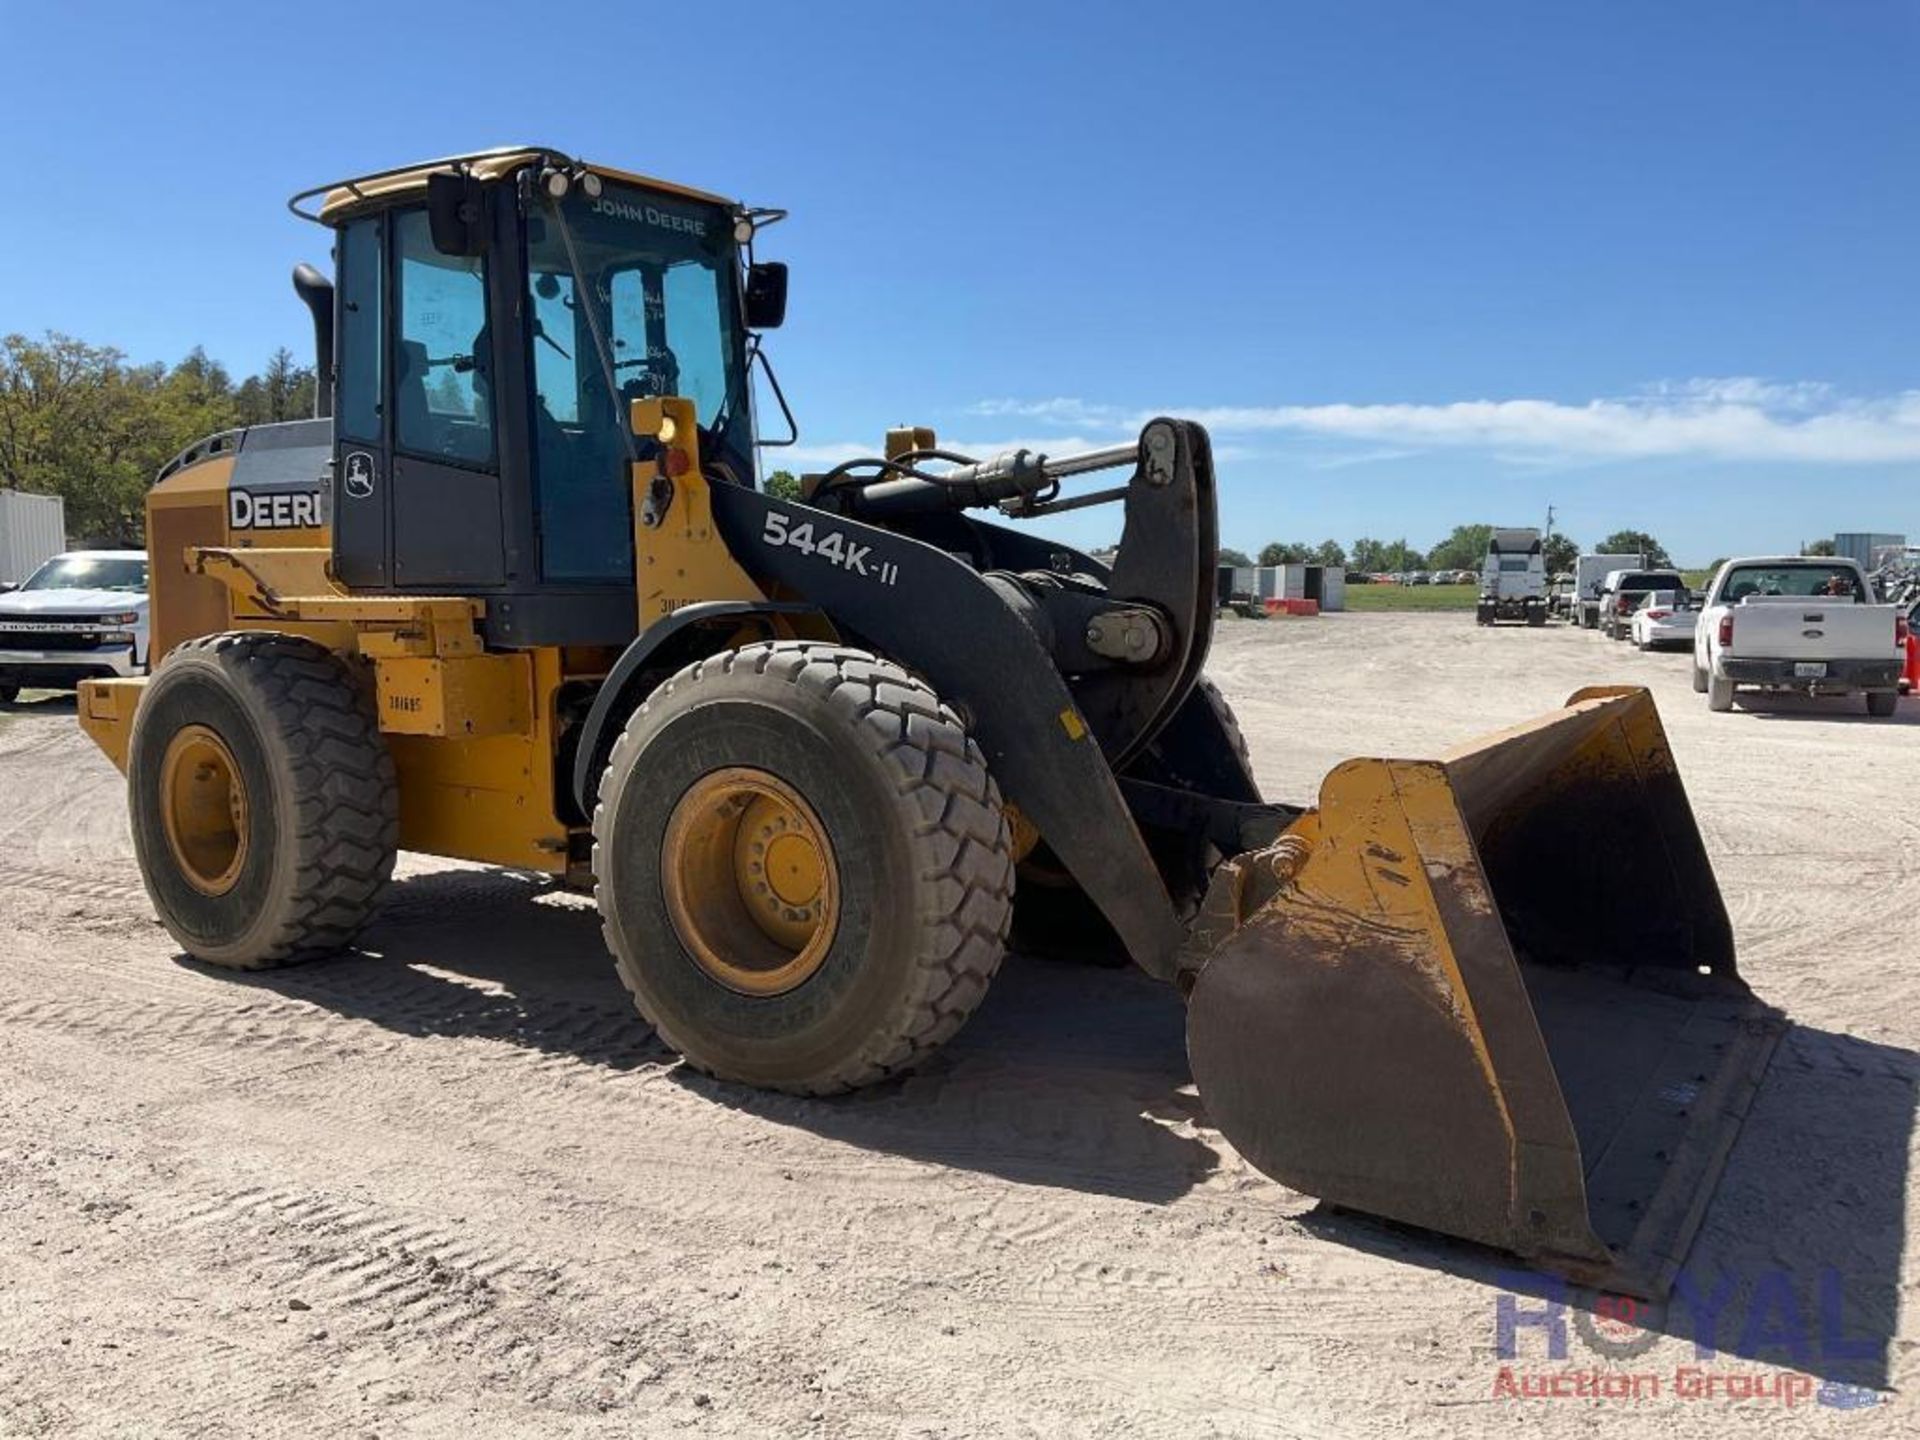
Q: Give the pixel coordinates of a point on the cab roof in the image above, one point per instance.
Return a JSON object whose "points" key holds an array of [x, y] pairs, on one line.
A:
{"points": [[341, 198]]}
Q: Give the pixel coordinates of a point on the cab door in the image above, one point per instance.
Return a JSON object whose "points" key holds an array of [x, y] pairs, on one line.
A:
{"points": [[417, 494]]}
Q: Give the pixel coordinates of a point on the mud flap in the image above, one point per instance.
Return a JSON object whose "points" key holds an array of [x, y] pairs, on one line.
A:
{"points": [[1492, 995]]}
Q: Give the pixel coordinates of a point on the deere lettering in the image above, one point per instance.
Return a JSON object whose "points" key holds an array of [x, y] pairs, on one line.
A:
{"points": [[286, 510], [648, 215]]}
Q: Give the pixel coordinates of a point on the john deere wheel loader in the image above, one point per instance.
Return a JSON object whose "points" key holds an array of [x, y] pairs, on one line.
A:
{"points": [[515, 597]]}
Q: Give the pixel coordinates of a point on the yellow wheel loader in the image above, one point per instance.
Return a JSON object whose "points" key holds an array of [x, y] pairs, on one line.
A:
{"points": [[514, 596]]}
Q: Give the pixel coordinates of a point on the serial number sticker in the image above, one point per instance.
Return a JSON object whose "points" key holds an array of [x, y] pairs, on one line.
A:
{"points": [[1810, 670], [831, 545]]}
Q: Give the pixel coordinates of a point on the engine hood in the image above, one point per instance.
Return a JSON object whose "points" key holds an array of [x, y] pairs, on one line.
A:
{"points": [[70, 602]]}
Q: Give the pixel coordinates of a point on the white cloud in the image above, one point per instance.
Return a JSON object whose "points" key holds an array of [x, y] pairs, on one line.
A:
{"points": [[1719, 419], [1723, 418], [834, 452], [1061, 410]]}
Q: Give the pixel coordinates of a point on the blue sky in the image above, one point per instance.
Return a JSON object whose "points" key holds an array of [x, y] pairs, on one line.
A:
{"points": [[1414, 264]]}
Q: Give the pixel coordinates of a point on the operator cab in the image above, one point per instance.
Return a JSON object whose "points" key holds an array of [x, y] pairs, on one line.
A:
{"points": [[494, 316]]}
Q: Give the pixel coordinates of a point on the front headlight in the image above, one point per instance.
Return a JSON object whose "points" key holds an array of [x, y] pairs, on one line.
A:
{"points": [[124, 617]]}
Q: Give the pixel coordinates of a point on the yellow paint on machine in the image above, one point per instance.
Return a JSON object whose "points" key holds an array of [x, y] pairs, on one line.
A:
{"points": [[488, 798], [682, 559], [462, 696], [106, 714], [345, 200]]}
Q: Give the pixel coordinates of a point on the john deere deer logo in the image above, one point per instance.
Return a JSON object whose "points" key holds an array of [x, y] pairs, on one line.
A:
{"points": [[359, 481]]}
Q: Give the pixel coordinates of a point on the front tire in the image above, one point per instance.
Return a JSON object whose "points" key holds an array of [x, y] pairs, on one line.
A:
{"points": [[803, 867], [265, 812]]}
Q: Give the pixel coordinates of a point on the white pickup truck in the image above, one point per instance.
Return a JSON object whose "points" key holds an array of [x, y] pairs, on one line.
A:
{"points": [[1797, 622]]}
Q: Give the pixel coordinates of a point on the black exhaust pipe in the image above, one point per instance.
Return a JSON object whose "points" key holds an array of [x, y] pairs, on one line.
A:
{"points": [[316, 291]]}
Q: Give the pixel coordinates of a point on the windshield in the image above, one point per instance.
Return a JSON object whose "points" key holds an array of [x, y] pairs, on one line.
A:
{"points": [[1836, 581], [661, 279], [91, 572]]}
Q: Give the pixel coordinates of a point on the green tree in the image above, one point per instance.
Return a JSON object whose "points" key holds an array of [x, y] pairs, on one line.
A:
{"points": [[1636, 542], [283, 391], [1560, 553], [1329, 552], [1237, 558], [1818, 547], [1464, 549], [783, 485], [1285, 552], [1375, 556], [76, 420]]}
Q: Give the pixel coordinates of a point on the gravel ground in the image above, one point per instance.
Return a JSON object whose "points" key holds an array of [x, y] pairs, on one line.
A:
{"points": [[449, 1187]]}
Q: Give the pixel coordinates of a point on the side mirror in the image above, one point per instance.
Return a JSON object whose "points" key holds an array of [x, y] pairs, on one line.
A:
{"points": [[456, 214], [766, 294], [7, 587]]}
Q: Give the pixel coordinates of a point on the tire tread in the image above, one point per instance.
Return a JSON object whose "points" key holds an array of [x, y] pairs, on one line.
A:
{"points": [[960, 838], [344, 791]]}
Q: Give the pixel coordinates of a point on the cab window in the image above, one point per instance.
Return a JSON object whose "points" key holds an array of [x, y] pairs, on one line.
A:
{"points": [[442, 385], [362, 332]]}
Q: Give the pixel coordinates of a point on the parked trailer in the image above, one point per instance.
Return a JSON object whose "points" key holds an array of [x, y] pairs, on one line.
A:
{"points": [[33, 529], [1589, 575]]}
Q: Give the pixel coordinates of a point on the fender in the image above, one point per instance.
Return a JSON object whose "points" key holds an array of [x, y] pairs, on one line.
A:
{"points": [[922, 607], [669, 643]]}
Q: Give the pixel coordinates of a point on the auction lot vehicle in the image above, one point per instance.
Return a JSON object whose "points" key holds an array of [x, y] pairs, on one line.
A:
{"points": [[1622, 592], [80, 615], [1798, 623], [1589, 578], [1513, 581], [1910, 674], [1663, 618], [807, 754], [1560, 596]]}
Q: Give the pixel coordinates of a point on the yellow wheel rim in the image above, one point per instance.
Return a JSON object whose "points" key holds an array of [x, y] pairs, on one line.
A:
{"points": [[204, 803], [750, 881]]}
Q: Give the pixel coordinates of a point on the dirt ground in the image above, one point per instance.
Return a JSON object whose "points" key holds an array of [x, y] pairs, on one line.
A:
{"points": [[449, 1187]]}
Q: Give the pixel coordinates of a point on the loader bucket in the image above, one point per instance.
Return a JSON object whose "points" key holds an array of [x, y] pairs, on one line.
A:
{"points": [[1492, 995]]}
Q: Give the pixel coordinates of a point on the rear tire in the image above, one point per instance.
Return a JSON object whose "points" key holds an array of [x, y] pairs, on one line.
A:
{"points": [[1719, 693], [1882, 703], [910, 859], [265, 812]]}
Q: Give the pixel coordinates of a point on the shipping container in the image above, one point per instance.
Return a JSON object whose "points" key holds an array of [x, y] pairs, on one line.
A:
{"points": [[1860, 545], [1259, 581], [33, 529]]}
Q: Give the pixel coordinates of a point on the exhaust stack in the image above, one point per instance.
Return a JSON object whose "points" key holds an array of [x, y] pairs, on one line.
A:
{"points": [[316, 292]]}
